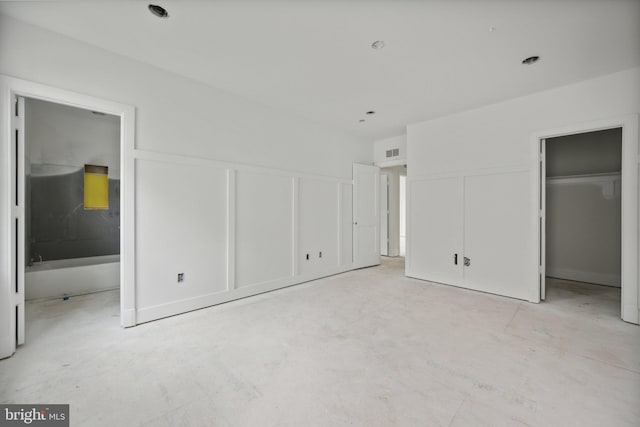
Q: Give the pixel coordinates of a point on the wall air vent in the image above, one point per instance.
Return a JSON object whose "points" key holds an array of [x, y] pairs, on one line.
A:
{"points": [[393, 153]]}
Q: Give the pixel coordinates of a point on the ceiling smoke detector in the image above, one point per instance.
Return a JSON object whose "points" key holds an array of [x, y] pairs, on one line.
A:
{"points": [[530, 60], [158, 11], [378, 44]]}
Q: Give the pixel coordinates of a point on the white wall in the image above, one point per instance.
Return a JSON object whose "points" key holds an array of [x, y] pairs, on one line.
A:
{"points": [[496, 141], [381, 146], [583, 228], [175, 114], [232, 229]]}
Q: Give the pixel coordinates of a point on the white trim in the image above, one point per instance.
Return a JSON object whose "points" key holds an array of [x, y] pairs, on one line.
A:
{"points": [[584, 276], [408, 240], [148, 314], [340, 225], [630, 306], [295, 225], [470, 172], [231, 229], [197, 161], [11, 87], [542, 222], [391, 163]]}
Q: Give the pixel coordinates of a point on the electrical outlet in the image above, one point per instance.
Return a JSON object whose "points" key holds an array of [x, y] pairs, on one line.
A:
{"points": [[180, 277]]}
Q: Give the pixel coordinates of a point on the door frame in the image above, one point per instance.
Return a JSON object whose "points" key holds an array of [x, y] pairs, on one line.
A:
{"points": [[629, 200], [384, 214], [10, 89]]}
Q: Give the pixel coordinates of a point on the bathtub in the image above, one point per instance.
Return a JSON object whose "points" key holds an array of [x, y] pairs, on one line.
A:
{"points": [[52, 279]]}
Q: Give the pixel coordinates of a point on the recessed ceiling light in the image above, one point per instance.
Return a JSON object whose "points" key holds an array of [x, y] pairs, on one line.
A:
{"points": [[370, 112], [492, 29], [378, 44], [530, 60], [158, 11]]}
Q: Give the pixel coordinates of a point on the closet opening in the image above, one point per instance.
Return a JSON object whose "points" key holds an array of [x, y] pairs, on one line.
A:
{"points": [[581, 213]]}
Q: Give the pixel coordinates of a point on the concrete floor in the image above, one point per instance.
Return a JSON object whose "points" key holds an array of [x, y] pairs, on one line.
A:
{"points": [[365, 348]]}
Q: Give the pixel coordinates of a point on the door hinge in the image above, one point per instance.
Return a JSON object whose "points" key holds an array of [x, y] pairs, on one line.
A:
{"points": [[17, 106]]}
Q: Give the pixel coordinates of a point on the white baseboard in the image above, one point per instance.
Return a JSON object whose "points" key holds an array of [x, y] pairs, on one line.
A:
{"points": [[147, 314], [466, 284], [584, 276]]}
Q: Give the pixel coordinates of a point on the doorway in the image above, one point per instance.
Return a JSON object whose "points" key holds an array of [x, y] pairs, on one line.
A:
{"points": [[72, 200], [403, 214], [627, 189], [583, 218], [393, 210], [17, 96]]}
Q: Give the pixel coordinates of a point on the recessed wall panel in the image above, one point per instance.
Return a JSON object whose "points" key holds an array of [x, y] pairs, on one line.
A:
{"points": [[180, 228], [497, 239], [347, 225], [264, 227], [435, 230], [318, 225]]}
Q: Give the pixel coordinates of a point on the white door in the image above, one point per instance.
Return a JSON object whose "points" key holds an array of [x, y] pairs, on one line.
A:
{"points": [[384, 215], [434, 226], [17, 248], [366, 215]]}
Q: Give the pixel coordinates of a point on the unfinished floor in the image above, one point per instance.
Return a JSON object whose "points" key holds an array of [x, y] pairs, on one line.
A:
{"points": [[365, 348]]}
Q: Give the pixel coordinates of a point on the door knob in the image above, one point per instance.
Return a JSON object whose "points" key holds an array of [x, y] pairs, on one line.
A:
{"points": [[467, 262]]}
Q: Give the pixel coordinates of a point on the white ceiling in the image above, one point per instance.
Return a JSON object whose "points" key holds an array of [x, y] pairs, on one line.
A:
{"points": [[313, 58]]}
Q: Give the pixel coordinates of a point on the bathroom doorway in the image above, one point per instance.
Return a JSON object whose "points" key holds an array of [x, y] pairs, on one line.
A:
{"points": [[71, 216], [71, 199], [72, 242]]}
